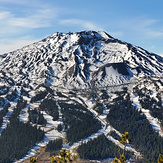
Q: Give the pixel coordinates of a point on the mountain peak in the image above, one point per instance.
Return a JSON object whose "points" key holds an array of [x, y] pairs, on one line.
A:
{"points": [[90, 34], [80, 59]]}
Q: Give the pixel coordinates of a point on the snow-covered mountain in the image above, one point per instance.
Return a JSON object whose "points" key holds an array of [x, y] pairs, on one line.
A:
{"points": [[79, 60], [69, 80]]}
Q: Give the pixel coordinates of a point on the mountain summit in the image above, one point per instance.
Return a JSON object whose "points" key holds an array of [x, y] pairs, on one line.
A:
{"points": [[79, 60]]}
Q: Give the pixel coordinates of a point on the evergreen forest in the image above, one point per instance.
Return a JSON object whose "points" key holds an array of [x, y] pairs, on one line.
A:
{"points": [[125, 117]]}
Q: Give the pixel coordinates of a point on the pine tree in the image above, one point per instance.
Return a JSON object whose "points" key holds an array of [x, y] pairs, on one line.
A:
{"points": [[33, 159], [116, 160], [64, 156], [124, 140], [160, 159]]}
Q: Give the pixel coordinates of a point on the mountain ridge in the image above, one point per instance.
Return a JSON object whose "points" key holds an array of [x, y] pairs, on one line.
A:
{"points": [[80, 56]]}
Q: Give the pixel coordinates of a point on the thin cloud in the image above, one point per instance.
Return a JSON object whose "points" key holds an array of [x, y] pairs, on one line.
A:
{"points": [[155, 33], [10, 1], [149, 29], [11, 45], [12, 25], [4, 15], [18, 2], [81, 23], [116, 34], [41, 18], [145, 27]]}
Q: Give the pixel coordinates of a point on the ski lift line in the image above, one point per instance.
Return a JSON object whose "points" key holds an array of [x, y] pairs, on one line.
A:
{"points": [[94, 87], [83, 91], [109, 86]]}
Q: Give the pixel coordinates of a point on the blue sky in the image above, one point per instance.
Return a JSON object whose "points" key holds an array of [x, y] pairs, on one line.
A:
{"points": [[139, 22]]}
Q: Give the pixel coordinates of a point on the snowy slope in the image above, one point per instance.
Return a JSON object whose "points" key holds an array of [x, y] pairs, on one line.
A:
{"points": [[77, 68], [75, 60]]}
